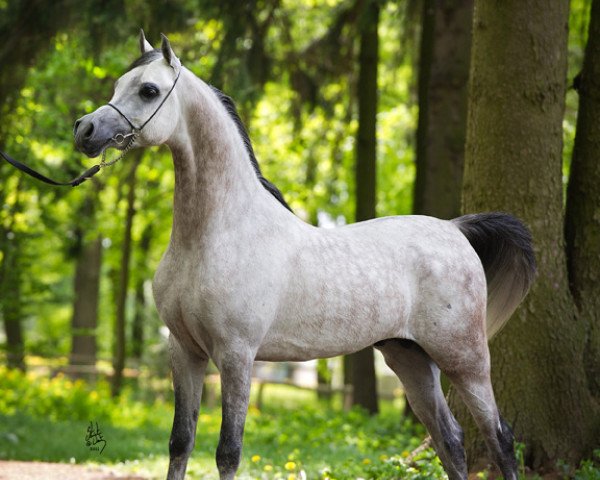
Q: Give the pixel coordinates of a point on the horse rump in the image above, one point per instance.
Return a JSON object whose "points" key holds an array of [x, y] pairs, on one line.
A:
{"points": [[505, 248]]}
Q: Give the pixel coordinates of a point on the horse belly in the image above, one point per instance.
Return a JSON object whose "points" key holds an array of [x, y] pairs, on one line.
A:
{"points": [[338, 318]]}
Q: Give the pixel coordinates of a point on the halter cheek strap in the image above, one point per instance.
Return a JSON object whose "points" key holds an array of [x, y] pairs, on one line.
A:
{"points": [[136, 130]]}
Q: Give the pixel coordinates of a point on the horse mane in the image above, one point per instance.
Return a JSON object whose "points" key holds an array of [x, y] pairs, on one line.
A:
{"points": [[232, 111], [227, 102]]}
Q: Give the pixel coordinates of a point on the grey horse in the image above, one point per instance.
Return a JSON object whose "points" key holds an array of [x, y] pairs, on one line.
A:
{"points": [[244, 279]]}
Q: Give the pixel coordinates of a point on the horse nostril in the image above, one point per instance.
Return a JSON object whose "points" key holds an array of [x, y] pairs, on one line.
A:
{"points": [[76, 126], [89, 131]]}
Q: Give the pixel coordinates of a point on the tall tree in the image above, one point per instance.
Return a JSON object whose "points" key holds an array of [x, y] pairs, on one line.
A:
{"points": [[85, 308], [514, 163], [86, 286], [442, 127], [120, 320], [362, 364], [583, 204], [141, 304], [10, 286]]}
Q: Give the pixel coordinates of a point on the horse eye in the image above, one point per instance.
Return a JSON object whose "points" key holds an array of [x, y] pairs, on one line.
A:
{"points": [[149, 91]]}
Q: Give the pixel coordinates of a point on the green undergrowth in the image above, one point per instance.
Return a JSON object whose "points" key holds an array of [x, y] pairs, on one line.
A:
{"points": [[291, 437]]}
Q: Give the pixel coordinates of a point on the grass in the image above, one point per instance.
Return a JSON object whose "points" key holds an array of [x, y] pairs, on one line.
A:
{"points": [[293, 437]]}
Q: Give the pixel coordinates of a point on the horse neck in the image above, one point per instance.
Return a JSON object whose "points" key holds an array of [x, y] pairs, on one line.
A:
{"points": [[215, 184]]}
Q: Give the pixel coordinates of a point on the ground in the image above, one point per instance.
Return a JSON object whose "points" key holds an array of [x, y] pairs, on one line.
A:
{"points": [[59, 471]]}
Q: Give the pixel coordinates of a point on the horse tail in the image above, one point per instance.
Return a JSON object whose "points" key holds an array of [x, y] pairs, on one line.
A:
{"points": [[505, 248]]}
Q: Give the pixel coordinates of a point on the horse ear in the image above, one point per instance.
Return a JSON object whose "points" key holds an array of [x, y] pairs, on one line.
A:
{"points": [[169, 55], [145, 45]]}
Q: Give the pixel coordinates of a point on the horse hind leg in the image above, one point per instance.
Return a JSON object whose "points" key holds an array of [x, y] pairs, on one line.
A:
{"points": [[476, 391], [466, 362], [420, 377]]}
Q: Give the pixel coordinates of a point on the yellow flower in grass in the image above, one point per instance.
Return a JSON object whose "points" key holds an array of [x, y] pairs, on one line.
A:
{"points": [[255, 458], [383, 457], [405, 454], [291, 476], [290, 466], [366, 461], [268, 468]]}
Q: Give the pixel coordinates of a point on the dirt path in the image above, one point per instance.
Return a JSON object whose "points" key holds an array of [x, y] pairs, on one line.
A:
{"points": [[59, 471]]}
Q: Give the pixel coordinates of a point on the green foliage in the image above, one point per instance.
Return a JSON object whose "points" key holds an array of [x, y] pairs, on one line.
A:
{"points": [[588, 469], [61, 398], [291, 438], [355, 442], [425, 465]]}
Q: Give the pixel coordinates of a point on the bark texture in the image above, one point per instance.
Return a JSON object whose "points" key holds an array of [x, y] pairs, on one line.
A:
{"points": [[583, 207], [442, 128], [362, 364], [513, 164], [88, 258], [85, 306]]}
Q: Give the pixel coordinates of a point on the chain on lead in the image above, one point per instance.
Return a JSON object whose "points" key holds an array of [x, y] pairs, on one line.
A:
{"points": [[119, 138]]}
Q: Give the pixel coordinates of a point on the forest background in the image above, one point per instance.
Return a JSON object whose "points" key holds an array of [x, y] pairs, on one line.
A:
{"points": [[356, 109]]}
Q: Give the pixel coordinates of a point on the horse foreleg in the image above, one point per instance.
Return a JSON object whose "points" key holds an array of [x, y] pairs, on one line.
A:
{"points": [[420, 377], [188, 378], [236, 375]]}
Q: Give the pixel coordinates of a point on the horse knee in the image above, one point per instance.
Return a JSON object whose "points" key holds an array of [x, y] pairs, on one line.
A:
{"points": [[181, 443], [229, 454]]}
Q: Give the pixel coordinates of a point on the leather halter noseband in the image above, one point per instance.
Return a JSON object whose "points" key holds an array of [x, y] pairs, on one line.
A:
{"points": [[119, 138]]}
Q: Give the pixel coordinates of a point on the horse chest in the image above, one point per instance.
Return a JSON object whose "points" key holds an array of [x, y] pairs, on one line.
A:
{"points": [[207, 301]]}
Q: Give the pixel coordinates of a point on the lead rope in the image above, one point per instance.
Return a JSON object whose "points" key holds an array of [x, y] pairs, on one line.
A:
{"points": [[119, 138]]}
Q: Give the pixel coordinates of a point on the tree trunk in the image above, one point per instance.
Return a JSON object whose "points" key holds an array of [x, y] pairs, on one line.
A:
{"points": [[442, 128], [11, 303], [362, 367], [119, 345], [10, 289], [444, 61], [513, 163], [86, 288], [141, 306], [85, 307], [583, 206]]}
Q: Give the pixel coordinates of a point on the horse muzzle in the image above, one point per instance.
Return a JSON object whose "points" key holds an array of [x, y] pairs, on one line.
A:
{"points": [[96, 131]]}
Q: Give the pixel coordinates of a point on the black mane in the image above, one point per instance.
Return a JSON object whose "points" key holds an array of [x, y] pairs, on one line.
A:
{"points": [[152, 55], [232, 111]]}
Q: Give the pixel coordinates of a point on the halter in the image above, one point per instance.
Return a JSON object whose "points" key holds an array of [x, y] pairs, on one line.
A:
{"points": [[119, 139], [136, 130]]}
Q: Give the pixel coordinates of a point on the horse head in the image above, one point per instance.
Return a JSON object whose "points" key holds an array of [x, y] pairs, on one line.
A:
{"points": [[142, 108]]}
